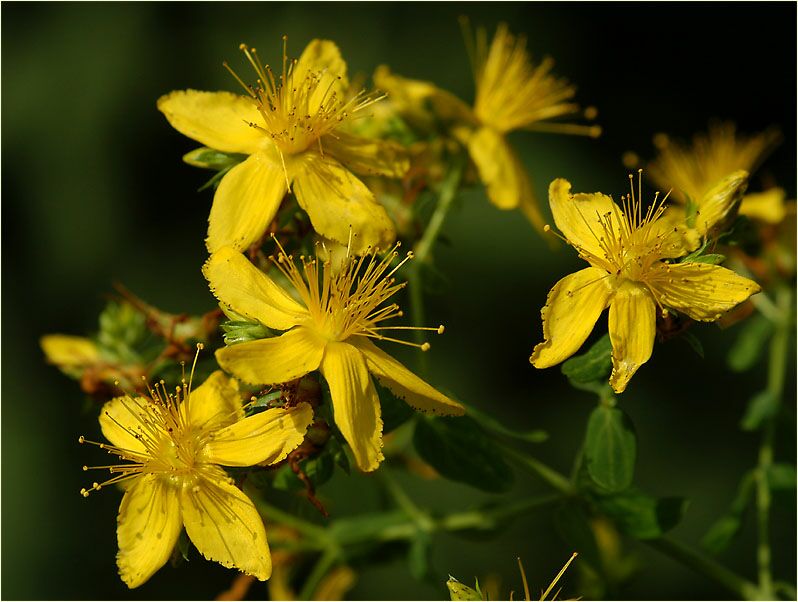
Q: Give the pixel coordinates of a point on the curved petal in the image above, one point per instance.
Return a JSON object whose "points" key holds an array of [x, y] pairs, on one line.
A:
{"points": [[632, 326], [355, 403], [768, 206], [247, 291], [572, 308], [677, 238], [224, 525], [702, 291], [497, 166], [215, 403], [69, 351], [267, 437], [338, 203], [322, 59], [246, 201], [276, 360], [578, 216], [403, 383], [147, 529], [368, 156], [121, 422], [719, 204], [220, 120]]}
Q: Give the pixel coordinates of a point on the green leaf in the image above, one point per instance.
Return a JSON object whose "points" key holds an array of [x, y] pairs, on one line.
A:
{"points": [[763, 405], [418, 556], [365, 527], [572, 524], [460, 591], [319, 470], [710, 258], [724, 530], [489, 423], [459, 450], [610, 448], [395, 412], [208, 158], [750, 344], [241, 331], [642, 516], [695, 254], [781, 477], [694, 342], [593, 365]]}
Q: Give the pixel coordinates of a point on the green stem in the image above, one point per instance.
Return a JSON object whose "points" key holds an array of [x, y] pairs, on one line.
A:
{"points": [[320, 569], [424, 246], [707, 567], [421, 518], [557, 480], [777, 367], [309, 530]]}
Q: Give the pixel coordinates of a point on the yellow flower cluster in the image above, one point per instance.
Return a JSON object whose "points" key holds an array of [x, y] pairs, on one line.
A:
{"points": [[293, 134]]}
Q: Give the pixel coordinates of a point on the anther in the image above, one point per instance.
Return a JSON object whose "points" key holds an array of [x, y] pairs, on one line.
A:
{"points": [[425, 346], [441, 328], [81, 439]]}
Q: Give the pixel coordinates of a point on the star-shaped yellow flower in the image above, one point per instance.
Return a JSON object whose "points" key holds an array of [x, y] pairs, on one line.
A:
{"points": [[329, 330], [174, 443], [293, 127], [626, 248], [512, 93], [692, 171]]}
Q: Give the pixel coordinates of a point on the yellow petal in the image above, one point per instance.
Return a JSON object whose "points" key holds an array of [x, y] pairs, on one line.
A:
{"points": [[267, 437], [68, 351], [404, 383], [121, 420], [246, 202], [678, 238], [247, 291], [215, 403], [420, 102], [338, 203], [578, 216], [355, 403], [632, 326], [719, 205], [497, 167], [367, 156], [323, 59], [147, 528], [702, 291], [224, 525], [220, 120], [572, 308], [275, 360], [335, 584], [768, 206]]}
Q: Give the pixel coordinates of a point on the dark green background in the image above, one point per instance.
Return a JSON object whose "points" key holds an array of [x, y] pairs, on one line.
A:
{"points": [[94, 191]]}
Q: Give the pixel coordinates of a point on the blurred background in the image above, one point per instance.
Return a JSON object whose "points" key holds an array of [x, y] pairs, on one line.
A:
{"points": [[94, 191]]}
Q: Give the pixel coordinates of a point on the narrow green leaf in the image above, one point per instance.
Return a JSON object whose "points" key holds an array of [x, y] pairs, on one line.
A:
{"points": [[642, 516], [750, 344], [781, 477], [593, 365], [762, 406], [489, 423], [725, 529], [418, 556], [459, 450], [710, 258], [208, 158], [610, 448]]}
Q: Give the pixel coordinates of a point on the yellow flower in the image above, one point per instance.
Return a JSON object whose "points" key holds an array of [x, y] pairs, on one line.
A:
{"points": [[329, 330], [625, 247], [512, 93], [769, 206], [174, 443], [293, 127], [692, 171]]}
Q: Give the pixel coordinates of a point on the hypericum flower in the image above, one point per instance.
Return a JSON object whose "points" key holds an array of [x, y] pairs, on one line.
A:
{"points": [[512, 93], [329, 330], [293, 127], [174, 443], [626, 247], [693, 170]]}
